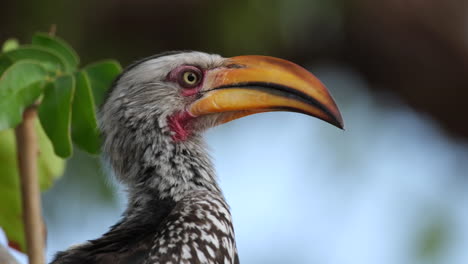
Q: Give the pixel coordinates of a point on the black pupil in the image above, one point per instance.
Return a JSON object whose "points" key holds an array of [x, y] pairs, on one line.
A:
{"points": [[191, 77]]}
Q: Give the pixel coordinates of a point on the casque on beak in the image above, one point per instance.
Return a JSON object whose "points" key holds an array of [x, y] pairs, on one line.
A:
{"points": [[255, 84]]}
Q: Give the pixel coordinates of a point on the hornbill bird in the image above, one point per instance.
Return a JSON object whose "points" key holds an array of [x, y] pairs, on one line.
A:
{"points": [[152, 122]]}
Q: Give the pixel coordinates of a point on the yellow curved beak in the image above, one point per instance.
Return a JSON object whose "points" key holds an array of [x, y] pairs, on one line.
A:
{"points": [[255, 84]]}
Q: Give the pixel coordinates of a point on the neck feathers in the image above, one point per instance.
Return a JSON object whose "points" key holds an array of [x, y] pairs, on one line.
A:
{"points": [[145, 158]]}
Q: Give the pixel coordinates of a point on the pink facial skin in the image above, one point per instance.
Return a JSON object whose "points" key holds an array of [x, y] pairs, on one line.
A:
{"points": [[178, 123]]}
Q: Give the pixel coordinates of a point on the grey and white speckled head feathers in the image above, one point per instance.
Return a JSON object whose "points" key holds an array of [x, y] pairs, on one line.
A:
{"points": [[137, 139]]}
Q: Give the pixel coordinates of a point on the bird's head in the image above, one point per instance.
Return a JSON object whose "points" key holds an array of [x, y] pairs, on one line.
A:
{"points": [[180, 94]]}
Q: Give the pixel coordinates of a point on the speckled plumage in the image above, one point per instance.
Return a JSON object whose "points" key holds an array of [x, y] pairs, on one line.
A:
{"points": [[199, 230], [176, 212]]}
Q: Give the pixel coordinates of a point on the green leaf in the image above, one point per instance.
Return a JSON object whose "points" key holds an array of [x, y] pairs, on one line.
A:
{"points": [[5, 62], [49, 58], [85, 132], [10, 44], [55, 113], [20, 86], [60, 46], [101, 75], [50, 167]]}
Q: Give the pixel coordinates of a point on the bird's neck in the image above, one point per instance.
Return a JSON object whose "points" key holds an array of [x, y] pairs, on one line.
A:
{"points": [[159, 175], [149, 160], [178, 168]]}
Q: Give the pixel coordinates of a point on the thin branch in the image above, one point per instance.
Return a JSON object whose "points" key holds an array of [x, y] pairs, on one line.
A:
{"points": [[26, 142], [52, 30]]}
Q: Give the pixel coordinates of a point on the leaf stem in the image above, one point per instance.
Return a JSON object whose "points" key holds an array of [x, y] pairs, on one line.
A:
{"points": [[27, 148], [52, 30]]}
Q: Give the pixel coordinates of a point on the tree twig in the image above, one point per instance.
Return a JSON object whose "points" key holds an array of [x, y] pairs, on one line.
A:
{"points": [[27, 151], [52, 30]]}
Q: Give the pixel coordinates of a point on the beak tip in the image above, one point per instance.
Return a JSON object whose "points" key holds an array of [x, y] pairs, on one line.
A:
{"points": [[341, 126], [337, 119], [338, 122]]}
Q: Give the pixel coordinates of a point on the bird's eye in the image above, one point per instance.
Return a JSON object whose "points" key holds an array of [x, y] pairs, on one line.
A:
{"points": [[190, 78]]}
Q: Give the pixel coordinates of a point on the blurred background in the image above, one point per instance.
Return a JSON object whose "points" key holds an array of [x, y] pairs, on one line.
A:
{"points": [[391, 188]]}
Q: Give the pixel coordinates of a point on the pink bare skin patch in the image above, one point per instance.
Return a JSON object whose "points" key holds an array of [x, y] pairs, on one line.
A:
{"points": [[179, 124]]}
